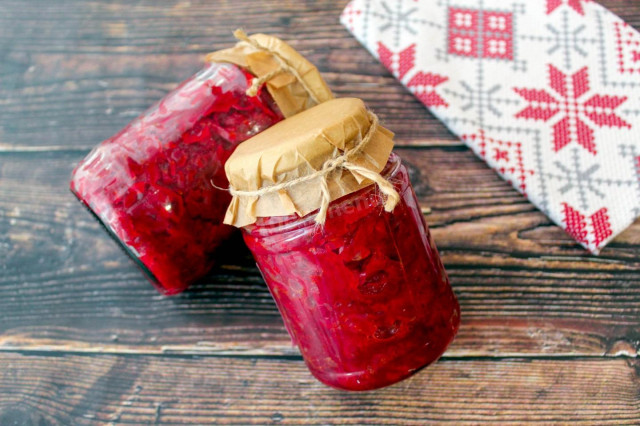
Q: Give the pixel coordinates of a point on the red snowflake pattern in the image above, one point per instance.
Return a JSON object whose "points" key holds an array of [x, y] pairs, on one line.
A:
{"points": [[507, 156], [576, 5], [500, 154], [350, 14], [423, 86], [398, 63], [628, 48], [491, 31], [569, 102], [578, 227]]}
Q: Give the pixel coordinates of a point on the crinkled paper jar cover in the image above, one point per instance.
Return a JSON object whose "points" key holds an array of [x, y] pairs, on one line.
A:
{"points": [[297, 147], [290, 94]]}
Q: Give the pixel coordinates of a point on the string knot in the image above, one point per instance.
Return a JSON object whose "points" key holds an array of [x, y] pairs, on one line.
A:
{"points": [[283, 67], [257, 82]]}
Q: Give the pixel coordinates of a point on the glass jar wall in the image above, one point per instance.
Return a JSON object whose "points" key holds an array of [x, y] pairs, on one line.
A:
{"points": [[365, 296], [151, 184]]}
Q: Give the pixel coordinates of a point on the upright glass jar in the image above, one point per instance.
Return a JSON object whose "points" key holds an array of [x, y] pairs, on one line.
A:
{"points": [[153, 185], [365, 295]]}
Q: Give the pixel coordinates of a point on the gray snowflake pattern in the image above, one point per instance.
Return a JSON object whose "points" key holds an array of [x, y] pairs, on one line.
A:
{"points": [[566, 40], [397, 19], [575, 176]]}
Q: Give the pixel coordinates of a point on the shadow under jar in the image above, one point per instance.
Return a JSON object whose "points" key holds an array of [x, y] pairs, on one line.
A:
{"points": [[364, 296], [153, 185]]}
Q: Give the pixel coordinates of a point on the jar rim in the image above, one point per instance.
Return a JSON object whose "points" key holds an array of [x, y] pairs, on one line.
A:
{"points": [[294, 222]]}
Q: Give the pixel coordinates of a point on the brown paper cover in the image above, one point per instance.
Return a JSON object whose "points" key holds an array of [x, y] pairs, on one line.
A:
{"points": [[299, 146], [289, 94]]}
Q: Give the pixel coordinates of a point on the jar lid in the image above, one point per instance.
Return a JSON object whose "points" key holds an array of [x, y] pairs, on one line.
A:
{"points": [[294, 83], [302, 163]]}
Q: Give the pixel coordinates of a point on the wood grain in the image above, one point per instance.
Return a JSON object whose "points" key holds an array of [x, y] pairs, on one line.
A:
{"points": [[549, 333], [73, 72], [525, 287], [146, 390]]}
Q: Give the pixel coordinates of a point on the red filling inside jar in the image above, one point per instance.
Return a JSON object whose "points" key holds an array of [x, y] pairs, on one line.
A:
{"points": [[151, 184], [365, 297]]}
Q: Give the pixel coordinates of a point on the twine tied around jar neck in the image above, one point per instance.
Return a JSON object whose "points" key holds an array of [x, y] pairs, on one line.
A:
{"points": [[284, 68], [339, 162]]}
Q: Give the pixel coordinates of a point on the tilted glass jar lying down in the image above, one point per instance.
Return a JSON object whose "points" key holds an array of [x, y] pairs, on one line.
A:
{"points": [[151, 184], [364, 294]]}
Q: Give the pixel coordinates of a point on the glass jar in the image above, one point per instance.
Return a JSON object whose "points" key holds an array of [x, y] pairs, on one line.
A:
{"points": [[365, 297], [154, 186], [151, 184]]}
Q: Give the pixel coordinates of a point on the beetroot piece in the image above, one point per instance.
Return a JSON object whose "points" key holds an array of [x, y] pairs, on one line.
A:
{"points": [[151, 184], [365, 297]]}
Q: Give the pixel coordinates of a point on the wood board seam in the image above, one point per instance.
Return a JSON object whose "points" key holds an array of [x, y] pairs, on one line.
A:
{"points": [[195, 354]]}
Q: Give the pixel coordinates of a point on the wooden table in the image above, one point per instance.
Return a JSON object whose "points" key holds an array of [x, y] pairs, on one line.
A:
{"points": [[549, 333]]}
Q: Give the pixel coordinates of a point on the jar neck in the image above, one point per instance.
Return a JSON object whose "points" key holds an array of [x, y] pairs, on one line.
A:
{"points": [[266, 226]]}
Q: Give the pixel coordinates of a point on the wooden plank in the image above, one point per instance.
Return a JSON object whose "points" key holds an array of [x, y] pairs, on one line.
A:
{"points": [[74, 72], [525, 287], [144, 390]]}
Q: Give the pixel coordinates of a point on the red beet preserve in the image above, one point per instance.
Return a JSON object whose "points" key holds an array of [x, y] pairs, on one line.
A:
{"points": [[151, 184], [365, 295]]}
